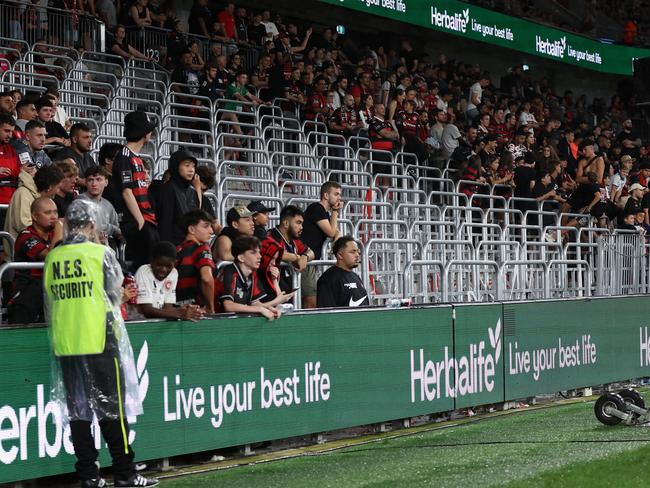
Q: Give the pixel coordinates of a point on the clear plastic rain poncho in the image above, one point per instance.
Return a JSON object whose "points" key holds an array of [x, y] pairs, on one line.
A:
{"points": [[86, 386]]}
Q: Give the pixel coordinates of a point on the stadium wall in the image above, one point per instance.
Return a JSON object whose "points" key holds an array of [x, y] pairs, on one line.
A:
{"points": [[232, 381]]}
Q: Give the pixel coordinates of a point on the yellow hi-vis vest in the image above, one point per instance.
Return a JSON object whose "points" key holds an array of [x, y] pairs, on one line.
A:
{"points": [[74, 284]]}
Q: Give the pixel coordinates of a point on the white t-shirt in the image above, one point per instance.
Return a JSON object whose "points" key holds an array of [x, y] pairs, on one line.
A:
{"points": [[450, 136], [527, 118], [150, 290], [477, 90], [618, 181]]}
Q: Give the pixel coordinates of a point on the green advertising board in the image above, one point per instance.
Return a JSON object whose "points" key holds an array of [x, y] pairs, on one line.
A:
{"points": [[471, 22], [571, 344], [478, 336], [231, 381]]}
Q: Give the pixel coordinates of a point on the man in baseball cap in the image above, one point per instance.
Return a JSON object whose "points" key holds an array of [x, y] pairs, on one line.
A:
{"points": [[260, 218], [239, 222]]}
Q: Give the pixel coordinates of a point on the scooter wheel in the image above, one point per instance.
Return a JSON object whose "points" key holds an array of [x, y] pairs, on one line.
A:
{"points": [[606, 402], [631, 396]]}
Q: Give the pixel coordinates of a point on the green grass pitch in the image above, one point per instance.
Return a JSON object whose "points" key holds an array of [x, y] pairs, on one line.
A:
{"points": [[557, 446]]}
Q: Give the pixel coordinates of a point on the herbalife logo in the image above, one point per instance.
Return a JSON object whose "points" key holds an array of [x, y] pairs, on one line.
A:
{"points": [[40, 426], [455, 22], [551, 48], [452, 376]]}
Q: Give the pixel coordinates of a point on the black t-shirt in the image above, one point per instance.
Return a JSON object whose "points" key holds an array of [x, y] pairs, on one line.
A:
{"points": [[312, 235], [62, 203], [632, 135], [197, 12], [54, 129], [340, 288], [260, 232], [633, 206], [541, 189], [83, 161], [186, 76], [524, 175], [256, 33], [583, 196]]}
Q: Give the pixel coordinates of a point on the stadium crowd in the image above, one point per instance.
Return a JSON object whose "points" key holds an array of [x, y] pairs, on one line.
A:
{"points": [[520, 137]]}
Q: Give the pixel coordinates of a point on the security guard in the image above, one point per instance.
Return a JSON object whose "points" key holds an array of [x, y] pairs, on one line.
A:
{"points": [[94, 370]]}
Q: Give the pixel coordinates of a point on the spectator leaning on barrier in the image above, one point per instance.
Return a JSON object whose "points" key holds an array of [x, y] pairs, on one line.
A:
{"points": [[339, 286], [32, 245], [283, 245], [131, 183], [239, 222], [321, 220], [194, 262], [177, 196], [239, 288], [33, 183], [157, 287]]}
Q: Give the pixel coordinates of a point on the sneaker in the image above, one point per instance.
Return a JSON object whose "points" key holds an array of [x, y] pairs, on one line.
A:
{"points": [[94, 483], [135, 481]]}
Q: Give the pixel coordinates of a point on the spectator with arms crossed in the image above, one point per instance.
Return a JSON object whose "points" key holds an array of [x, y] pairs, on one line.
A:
{"points": [[320, 223], [283, 244]]}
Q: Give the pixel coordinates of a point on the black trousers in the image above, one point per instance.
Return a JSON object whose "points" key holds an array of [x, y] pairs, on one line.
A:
{"points": [[140, 243], [95, 385]]}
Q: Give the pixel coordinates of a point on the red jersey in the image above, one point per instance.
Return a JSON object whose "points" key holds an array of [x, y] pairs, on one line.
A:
{"points": [[408, 122], [315, 105], [8, 182]]}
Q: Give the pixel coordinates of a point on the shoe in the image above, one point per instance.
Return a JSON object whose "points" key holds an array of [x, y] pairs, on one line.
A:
{"points": [[135, 481], [94, 483]]}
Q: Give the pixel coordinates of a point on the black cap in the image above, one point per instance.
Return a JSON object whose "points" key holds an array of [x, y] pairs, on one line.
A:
{"points": [[257, 206], [137, 125]]}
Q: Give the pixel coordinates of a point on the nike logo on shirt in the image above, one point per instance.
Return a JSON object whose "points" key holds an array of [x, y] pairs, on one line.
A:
{"points": [[356, 303]]}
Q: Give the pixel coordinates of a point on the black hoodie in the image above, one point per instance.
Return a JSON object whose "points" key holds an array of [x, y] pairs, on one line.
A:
{"points": [[176, 198]]}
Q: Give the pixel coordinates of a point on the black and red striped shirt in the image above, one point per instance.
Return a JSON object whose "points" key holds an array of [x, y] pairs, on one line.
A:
{"points": [[191, 256], [129, 172], [408, 122], [28, 247], [232, 285]]}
